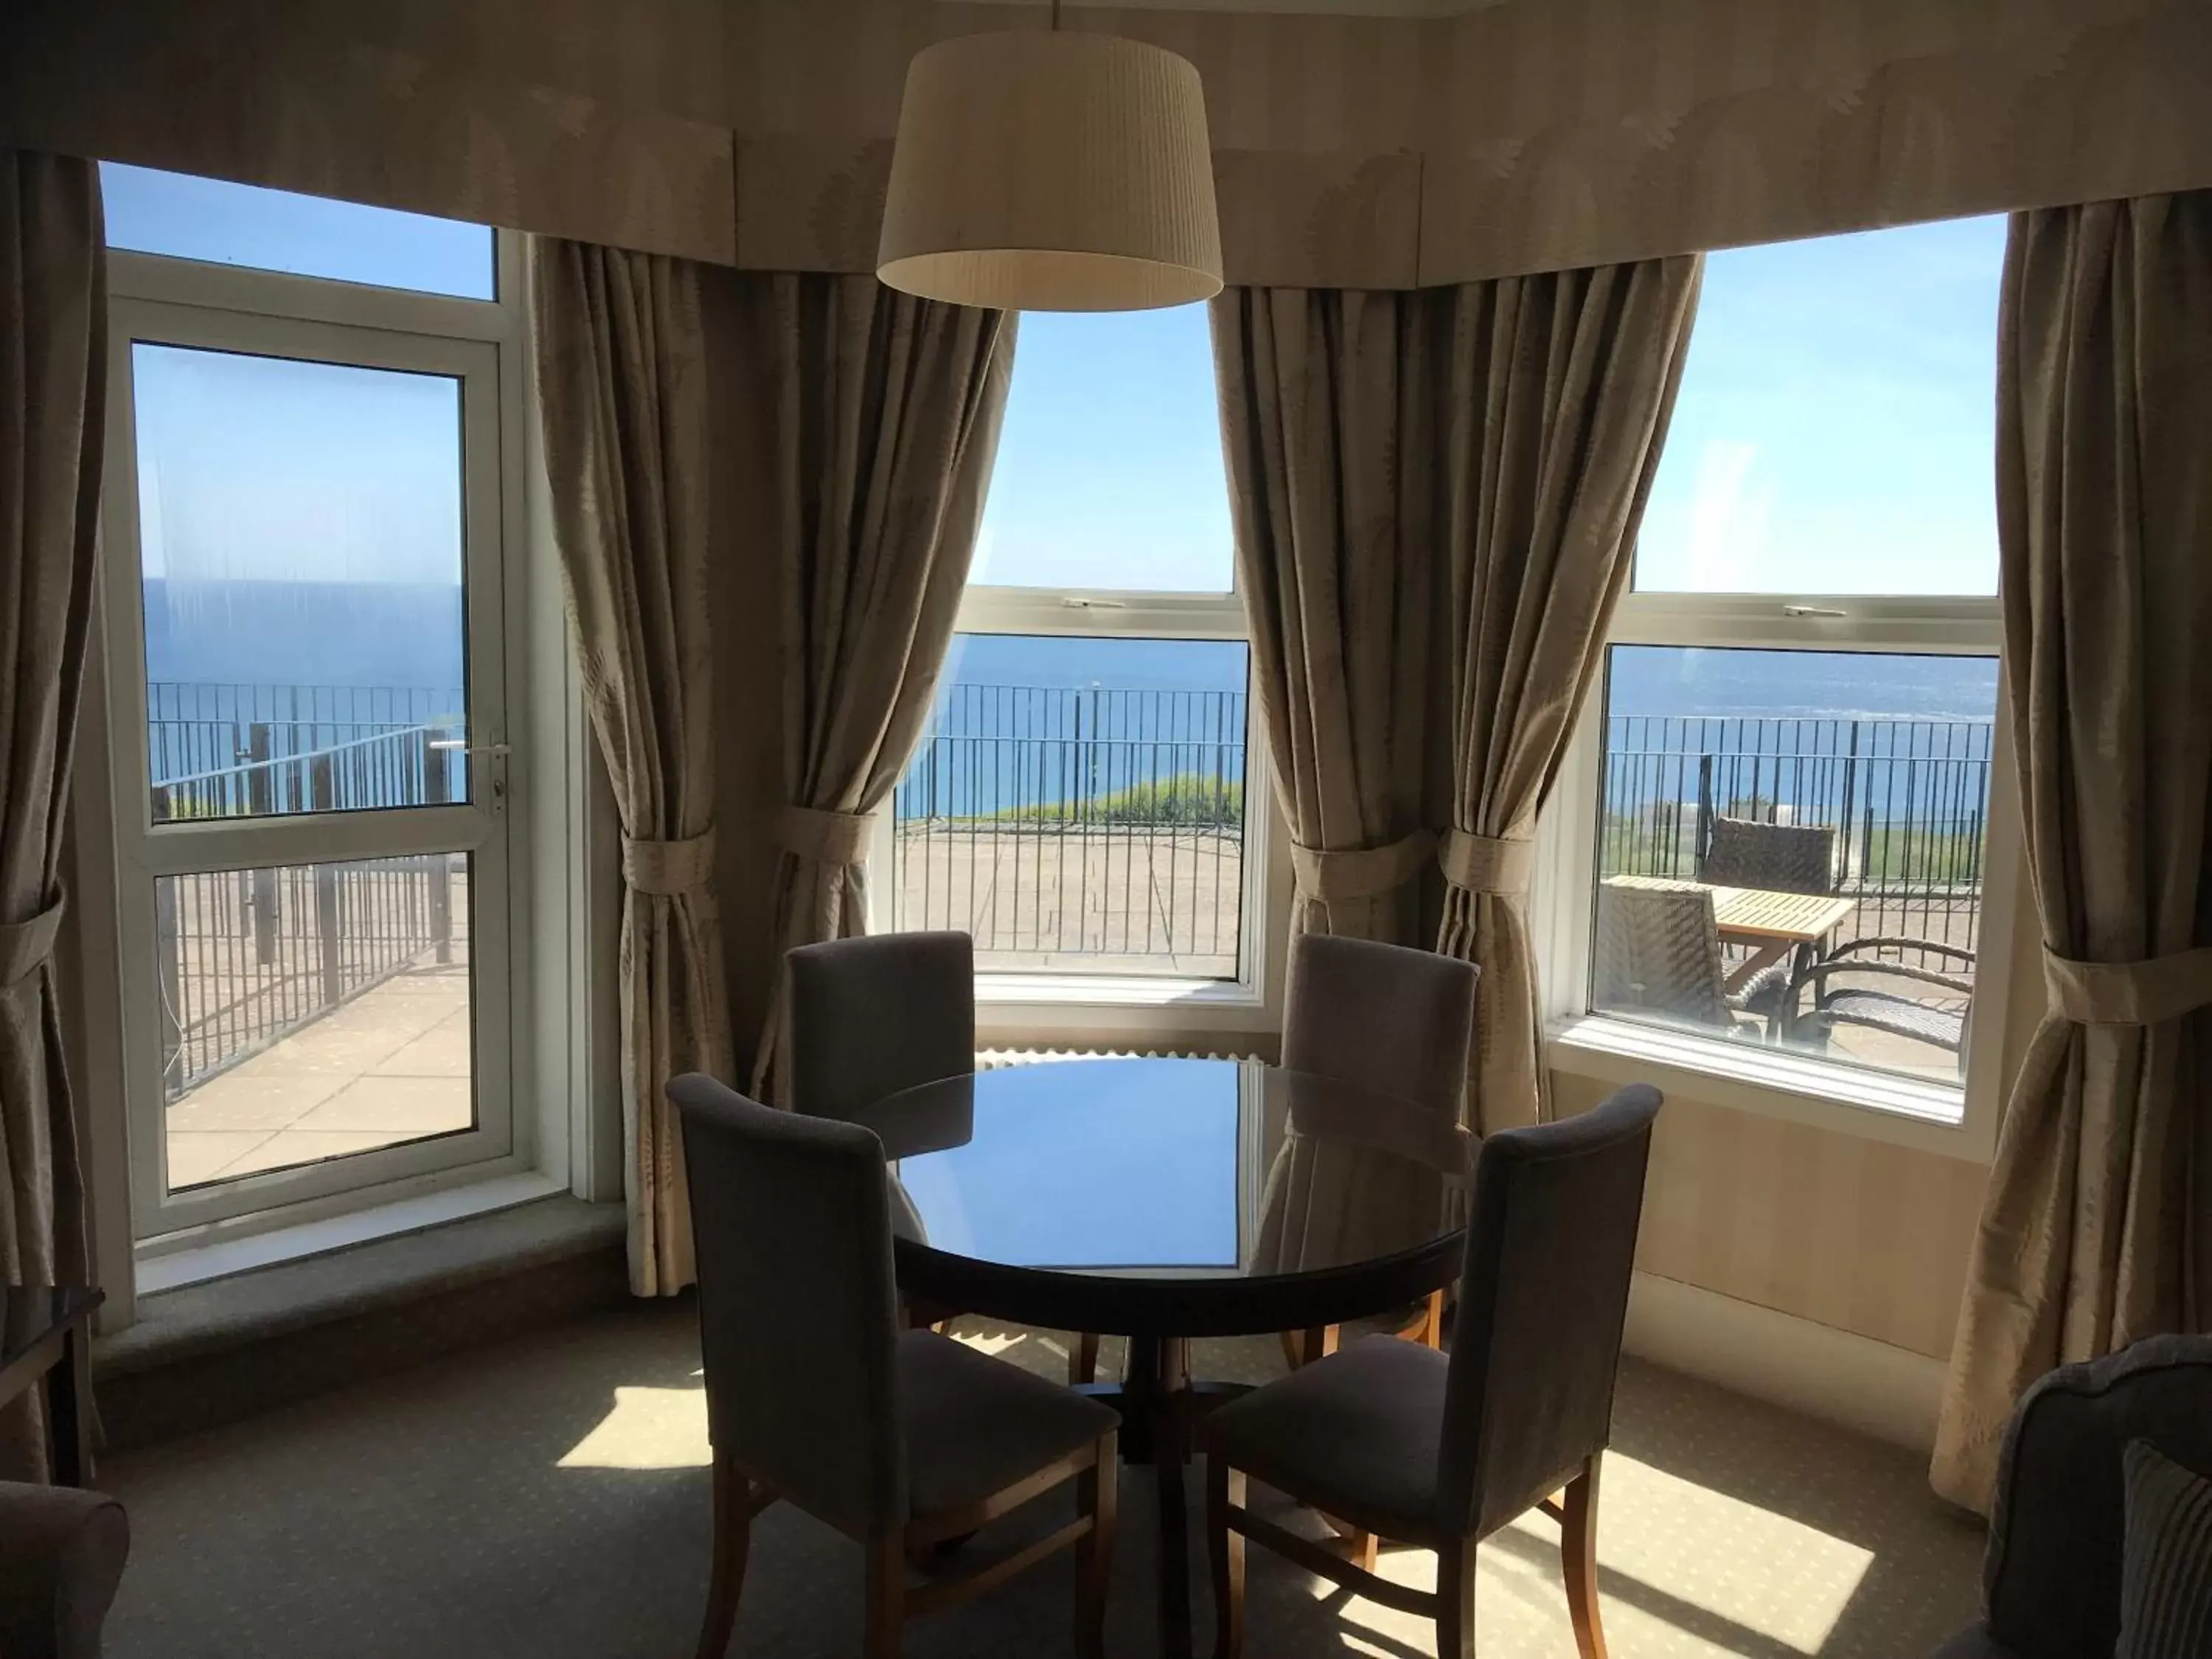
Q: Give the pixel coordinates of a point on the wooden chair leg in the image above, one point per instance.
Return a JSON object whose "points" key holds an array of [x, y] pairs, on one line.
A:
{"points": [[886, 1596], [1432, 1333], [1364, 1548], [1304, 1347], [734, 1507], [1224, 1549], [1097, 1496], [1456, 1601], [1579, 1560], [1083, 1360]]}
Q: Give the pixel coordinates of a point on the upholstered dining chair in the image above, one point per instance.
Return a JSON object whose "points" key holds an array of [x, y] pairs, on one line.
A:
{"points": [[1401, 1441], [872, 1017], [1389, 1018], [900, 1439]]}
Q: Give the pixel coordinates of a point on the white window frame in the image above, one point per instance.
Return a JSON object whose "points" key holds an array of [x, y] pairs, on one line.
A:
{"points": [[522, 1142], [1141, 1011], [1958, 1120]]}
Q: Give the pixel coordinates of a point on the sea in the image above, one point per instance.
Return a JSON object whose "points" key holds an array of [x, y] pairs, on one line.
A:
{"points": [[1025, 719]]}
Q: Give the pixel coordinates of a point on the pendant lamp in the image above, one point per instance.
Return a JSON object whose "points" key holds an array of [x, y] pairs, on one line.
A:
{"points": [[1040, 171]]}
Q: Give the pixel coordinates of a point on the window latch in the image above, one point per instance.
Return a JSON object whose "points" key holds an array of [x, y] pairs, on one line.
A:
{"points": [[1082, 602], [1812, 611], [496, 750]]}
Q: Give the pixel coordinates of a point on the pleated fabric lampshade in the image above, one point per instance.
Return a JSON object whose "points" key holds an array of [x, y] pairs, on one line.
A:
{"points": [[1052, 172]]}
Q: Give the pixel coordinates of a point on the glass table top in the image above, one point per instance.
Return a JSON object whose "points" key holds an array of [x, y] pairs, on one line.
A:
{"points": [[1186, 1169]]}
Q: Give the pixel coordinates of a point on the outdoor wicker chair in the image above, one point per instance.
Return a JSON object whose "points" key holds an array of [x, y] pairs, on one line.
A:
{"points": [[1659, 951], [1896, 1012], [1780, 858]]}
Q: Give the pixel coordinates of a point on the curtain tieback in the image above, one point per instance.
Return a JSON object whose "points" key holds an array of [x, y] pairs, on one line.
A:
{"points": [[1334, 875], [28, 946], [668, 869], [2148, 993], [825, 836], [1487, 864]]}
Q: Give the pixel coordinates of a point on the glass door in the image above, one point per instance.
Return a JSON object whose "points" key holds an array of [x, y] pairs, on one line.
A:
{"points": [[303, 611]]}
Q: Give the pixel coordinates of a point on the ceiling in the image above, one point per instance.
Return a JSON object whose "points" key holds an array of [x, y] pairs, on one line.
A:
{"points": [[1320, 7]]}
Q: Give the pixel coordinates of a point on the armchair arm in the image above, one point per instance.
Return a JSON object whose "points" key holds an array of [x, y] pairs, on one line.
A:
{"points": [[61, 1557], [1819, 974], [1956, 952]]}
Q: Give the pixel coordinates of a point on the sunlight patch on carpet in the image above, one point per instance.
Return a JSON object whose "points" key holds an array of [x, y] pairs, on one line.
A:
{"points": [[646, 1429]]}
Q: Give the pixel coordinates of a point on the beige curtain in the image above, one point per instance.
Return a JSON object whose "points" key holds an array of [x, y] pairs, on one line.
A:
{"points": [[621, 376], [1559, 391], [887, 421], [2098, 1226], [1326, 433], [53, 381], [1437, 496]]}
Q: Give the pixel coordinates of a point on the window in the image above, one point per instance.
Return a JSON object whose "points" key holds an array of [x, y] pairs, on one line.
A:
{"points": [[1786, 788], [305, 527], [1078, 801], [211, 222]]}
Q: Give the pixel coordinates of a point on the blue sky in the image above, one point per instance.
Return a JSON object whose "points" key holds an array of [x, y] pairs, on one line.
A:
{"points": [[1836, 428], [1834, 434]]}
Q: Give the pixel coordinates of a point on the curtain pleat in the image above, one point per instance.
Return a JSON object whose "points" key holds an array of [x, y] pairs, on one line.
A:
{"points": [[887, 409], [623, 384], [1325, 431], [2097, 1227], [1437, 495], [53, 382], [1559, 390]]}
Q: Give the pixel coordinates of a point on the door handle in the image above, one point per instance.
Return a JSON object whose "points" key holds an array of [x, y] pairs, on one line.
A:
{"points": [[496, 750]]}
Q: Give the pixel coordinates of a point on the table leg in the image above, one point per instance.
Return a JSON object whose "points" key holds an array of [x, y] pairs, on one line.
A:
{"points": [[1763, 956], [69, 1405], [1159, 1380]]}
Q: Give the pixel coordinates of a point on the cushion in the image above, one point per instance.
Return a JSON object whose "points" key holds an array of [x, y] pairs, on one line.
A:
{"points": [[1357, 1435], [975, 1426], [2165, 1572]]}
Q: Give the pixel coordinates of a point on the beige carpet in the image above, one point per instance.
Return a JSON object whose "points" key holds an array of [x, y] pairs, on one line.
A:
{"points": [[545, 1498]]}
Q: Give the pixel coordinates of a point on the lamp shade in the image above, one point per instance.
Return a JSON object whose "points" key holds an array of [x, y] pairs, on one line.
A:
{"points": [[1052, 172]]}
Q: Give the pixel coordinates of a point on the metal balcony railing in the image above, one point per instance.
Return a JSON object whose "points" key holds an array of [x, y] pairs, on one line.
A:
{"points": [[1095, 827], [246, 957], [1909, 800]]}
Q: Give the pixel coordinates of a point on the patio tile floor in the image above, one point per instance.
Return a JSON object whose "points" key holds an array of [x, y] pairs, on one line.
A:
{"points": [[391, 1065]]}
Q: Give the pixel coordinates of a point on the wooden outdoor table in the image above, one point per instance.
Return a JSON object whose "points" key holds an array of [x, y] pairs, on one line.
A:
{"points": [[1770, 924]]}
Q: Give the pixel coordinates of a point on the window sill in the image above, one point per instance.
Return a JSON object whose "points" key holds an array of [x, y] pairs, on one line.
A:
{"points": [[1119, 1012], [1059, 991], [1751, 1077], [218, 1251]]}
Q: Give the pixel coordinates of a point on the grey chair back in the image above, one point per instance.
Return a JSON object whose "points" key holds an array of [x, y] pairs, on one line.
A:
{"points": [[871, 1016], [1380, 1016], [2051, 1578], [1551, 1245], [1658, 949], [1782, 858], [798, 1311]]}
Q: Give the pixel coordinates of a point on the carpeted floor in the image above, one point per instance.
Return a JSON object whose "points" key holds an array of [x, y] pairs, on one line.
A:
{"points": [[546, 1498]]}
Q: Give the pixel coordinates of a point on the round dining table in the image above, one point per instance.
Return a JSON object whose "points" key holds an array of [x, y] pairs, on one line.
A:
{"points": [[1162, 1200]]}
